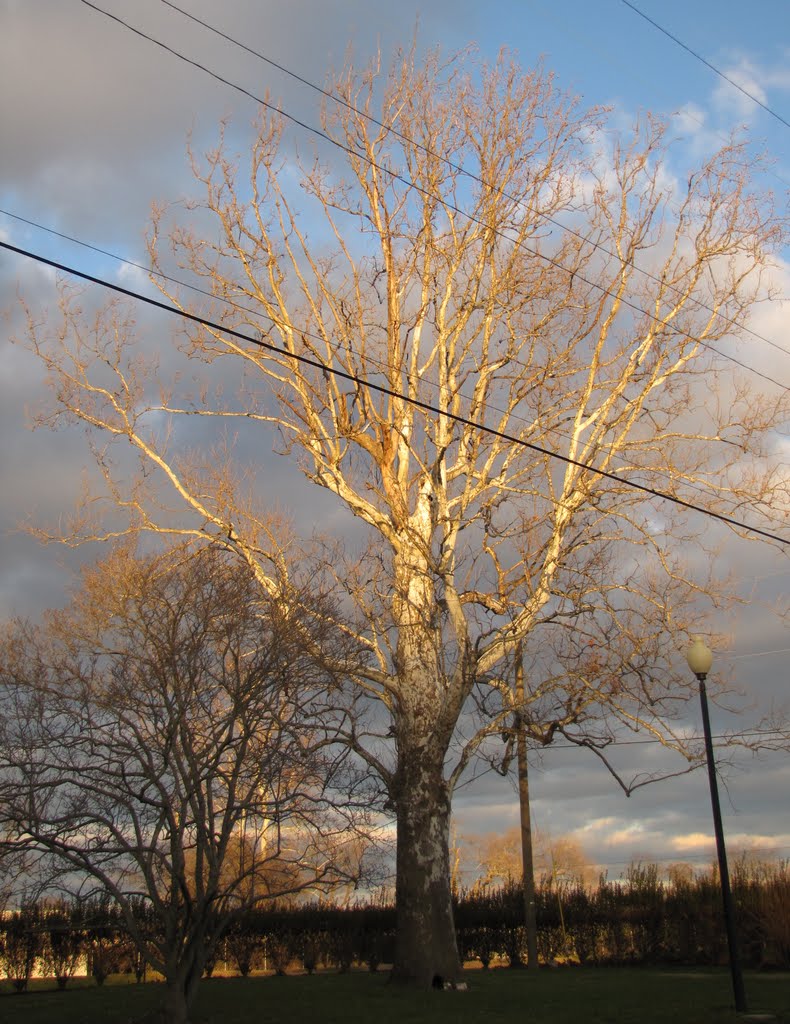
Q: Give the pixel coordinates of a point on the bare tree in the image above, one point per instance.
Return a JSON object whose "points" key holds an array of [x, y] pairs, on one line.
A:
{"points": [[495, 857], [482, 273], [165, 737]]}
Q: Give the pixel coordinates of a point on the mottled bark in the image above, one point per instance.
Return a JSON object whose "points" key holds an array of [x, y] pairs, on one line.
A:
{"points": [[426, 947], [426, 951]]}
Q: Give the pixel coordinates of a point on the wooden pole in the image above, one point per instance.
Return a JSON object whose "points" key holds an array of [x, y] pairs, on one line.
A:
{"points": [[527, 866]]}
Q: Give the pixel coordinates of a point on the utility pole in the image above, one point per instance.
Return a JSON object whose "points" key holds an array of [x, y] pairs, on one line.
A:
{"points": [[527, 866]]}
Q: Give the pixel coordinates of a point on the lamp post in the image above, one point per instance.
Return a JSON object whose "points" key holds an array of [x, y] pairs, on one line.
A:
{"points": [[700, 660]]}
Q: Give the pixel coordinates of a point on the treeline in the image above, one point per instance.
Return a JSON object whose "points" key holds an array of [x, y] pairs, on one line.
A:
{"points": [[640, 919]]}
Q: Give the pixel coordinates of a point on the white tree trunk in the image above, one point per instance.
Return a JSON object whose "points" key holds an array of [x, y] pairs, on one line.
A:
{"points": [[426, 949]]}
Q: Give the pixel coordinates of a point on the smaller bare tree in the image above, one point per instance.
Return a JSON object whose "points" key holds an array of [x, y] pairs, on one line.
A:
{"points": [[168, 737]]}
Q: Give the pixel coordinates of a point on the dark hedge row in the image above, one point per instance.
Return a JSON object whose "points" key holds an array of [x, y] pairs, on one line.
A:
{"points": [[639, 920]]}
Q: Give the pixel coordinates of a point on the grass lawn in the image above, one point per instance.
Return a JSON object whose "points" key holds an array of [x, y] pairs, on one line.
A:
{"points": [[572, 996]]}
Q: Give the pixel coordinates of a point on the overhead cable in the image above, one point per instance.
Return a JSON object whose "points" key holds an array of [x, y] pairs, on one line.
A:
{"points": [[405, 180], [707, 63], [392, 393], [452, 164], [256, 312]]}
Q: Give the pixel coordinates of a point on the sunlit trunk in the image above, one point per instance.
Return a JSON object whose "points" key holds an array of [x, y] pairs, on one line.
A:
{"points": [[426, 951]]}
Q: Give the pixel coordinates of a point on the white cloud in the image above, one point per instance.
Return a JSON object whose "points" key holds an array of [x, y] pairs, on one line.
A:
{"points": [[692, 842], [732, 98], [134, 278], [691, 118]]}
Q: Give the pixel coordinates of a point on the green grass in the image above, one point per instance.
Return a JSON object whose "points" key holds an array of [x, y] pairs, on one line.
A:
{"points": [[564, 996]]}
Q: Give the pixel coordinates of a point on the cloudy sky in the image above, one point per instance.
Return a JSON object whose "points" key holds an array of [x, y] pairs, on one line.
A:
{"points": [[94, 125]]}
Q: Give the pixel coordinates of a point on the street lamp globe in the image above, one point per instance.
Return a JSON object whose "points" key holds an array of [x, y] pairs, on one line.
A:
{"points": [[699, 657]]}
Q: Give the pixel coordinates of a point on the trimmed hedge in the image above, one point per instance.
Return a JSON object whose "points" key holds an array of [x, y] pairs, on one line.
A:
{"points": [[637, 920]]}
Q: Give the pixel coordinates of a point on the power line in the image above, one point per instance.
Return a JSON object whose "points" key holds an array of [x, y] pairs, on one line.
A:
{"points": [[549, 11], [458, 167], [756, 654], [405, 180], [707, 63], [392, 393], [238, 306], [452, 164]]}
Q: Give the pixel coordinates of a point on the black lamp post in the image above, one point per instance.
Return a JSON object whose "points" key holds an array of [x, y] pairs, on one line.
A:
{"points": [[700, 660]]}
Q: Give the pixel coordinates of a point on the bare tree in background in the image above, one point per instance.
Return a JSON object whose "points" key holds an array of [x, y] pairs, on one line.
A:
{"points": [[562, 290], [495, 857], [164, 738]]}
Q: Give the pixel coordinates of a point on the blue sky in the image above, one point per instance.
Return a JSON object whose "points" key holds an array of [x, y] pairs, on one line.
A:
{"points": [[94, 127]]}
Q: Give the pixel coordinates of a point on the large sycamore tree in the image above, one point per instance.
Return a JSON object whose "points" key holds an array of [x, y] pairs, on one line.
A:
{"points": [[480, 273]]}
